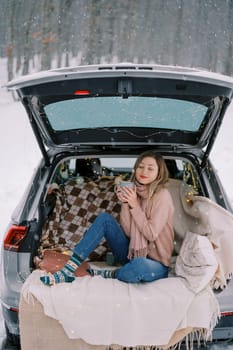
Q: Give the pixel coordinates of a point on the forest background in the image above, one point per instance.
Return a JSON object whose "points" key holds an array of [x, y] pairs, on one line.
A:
{"points": [[39, 35]]}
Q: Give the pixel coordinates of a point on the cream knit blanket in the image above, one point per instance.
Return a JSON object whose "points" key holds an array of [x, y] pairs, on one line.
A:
{"points": [[106, 311], [202, 216]]}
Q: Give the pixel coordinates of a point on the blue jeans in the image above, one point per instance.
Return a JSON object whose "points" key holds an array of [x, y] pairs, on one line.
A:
{"points": [[140, 269]]}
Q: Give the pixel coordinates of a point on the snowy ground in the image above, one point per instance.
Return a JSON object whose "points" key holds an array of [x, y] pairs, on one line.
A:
{"points": [[19, 154]]}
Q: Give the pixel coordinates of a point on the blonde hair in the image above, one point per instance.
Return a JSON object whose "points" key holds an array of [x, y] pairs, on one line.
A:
{"points": [[163, 174]]}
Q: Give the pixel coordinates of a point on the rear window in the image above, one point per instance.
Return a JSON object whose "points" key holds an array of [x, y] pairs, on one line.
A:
{"points": [[136, 112]]}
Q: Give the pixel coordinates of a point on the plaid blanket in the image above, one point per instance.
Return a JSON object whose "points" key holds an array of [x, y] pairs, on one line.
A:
{"points": [[76, 207]]}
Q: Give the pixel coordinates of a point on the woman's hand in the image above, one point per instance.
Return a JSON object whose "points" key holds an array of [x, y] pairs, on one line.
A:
{"points": [[127, 195]]}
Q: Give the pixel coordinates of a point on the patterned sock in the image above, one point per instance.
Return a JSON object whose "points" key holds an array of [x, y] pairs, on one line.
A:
{"points": [[66, 274], [103, 273]]}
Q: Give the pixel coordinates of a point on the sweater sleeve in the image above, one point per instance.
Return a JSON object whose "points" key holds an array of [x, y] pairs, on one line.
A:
{"points": [[162, 208]]}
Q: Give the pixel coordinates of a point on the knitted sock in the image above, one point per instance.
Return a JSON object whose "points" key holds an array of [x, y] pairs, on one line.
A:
{"points": [[103, 273], [66, 274]]}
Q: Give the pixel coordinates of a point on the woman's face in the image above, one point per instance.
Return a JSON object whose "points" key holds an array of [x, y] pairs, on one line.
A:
{"points": [[147, 171]]}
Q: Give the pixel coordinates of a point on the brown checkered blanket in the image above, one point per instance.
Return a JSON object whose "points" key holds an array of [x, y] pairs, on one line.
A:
{"points": [[76, 207]]}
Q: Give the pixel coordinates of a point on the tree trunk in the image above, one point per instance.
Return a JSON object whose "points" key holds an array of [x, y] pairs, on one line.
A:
{"points": [[47, 35]]}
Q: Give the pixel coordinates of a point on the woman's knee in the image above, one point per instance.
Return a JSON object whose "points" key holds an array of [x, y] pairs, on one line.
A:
{"points": [[104, 216]]}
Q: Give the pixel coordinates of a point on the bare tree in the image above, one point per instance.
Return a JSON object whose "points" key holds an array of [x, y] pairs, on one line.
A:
{"points": [[192, 33], [10, 37], [27, 47], [48, 35]]}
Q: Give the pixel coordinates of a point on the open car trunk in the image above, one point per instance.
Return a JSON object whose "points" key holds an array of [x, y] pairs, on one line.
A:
{"points": [[118, 106], [75, 209]]}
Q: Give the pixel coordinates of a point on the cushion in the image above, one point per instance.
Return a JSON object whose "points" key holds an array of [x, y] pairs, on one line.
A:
{"points": [[196, 262], [53, 261]]}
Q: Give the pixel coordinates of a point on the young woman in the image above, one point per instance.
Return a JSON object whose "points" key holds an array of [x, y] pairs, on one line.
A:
{"points": [[143, 242]]}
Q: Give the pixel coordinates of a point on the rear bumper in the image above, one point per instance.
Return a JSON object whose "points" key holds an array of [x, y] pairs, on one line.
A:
{"points": [[223, 345], [11, 319], [224, 329]]}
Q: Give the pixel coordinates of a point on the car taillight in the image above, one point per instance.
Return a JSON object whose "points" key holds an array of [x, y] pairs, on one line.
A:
{"points": [[14, 309], [226, 313], [82, 92], [14, 237]]}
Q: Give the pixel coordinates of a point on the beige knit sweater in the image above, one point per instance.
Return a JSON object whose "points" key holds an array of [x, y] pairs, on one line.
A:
{"points": [[156, 226]]}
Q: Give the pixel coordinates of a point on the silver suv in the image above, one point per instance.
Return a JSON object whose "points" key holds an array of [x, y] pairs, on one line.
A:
{"points": [[109, 114]]}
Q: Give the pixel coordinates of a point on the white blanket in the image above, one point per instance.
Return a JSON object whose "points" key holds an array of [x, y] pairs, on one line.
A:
{"points": [[106, 311], [204, 217]]}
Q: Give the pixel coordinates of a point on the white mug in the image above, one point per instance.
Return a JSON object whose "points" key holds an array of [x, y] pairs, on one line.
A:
{"points": [[123, 184], [126, 184]]}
